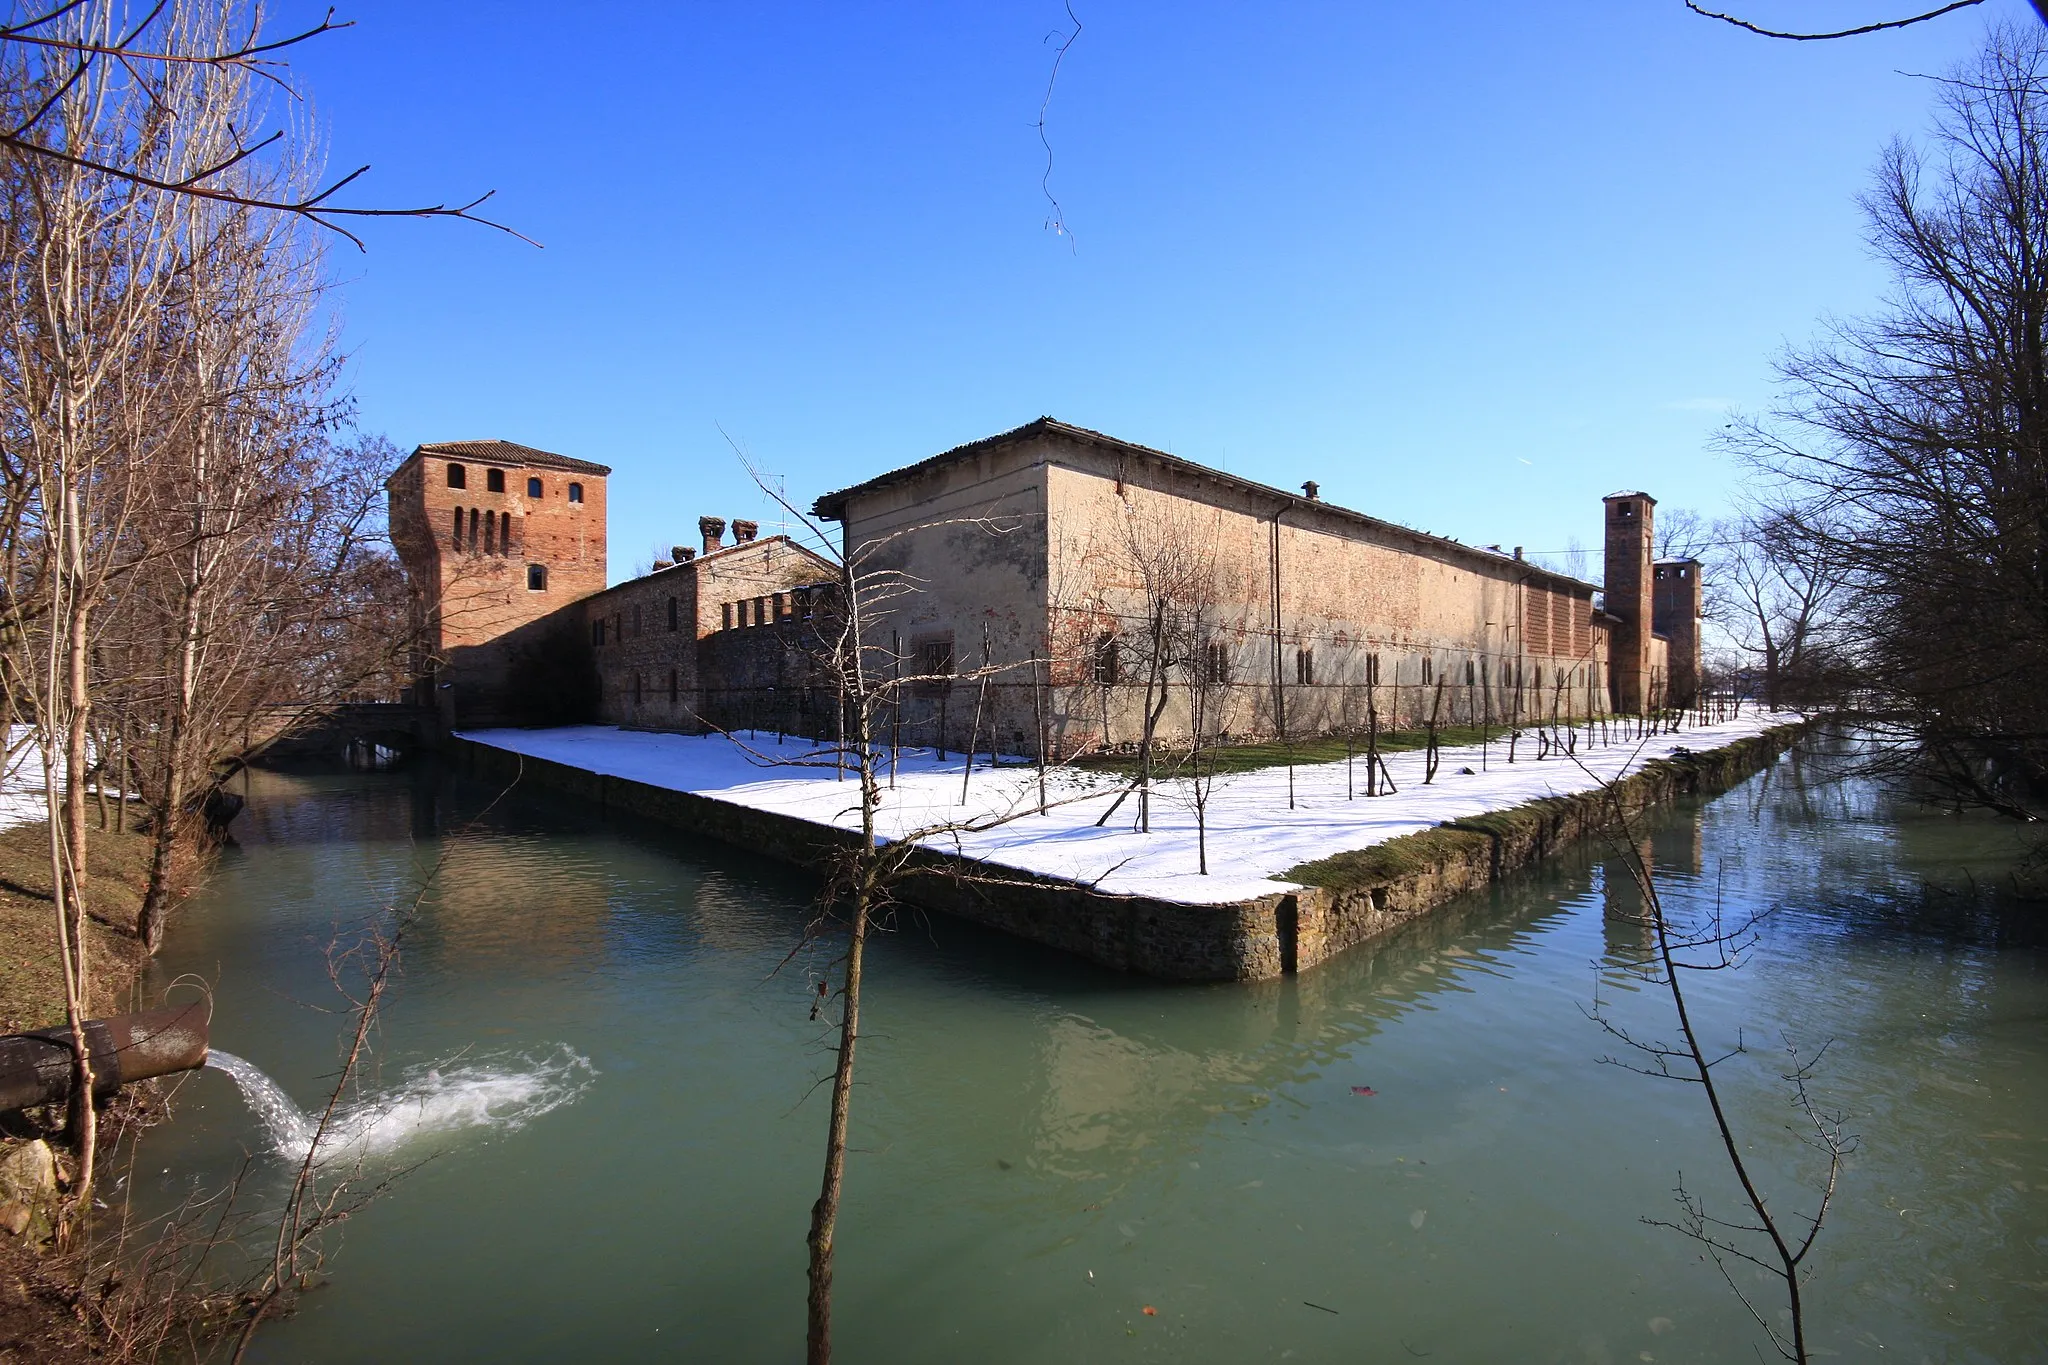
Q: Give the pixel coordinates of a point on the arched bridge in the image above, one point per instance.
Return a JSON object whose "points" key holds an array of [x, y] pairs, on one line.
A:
{"points": [[365, 734]]}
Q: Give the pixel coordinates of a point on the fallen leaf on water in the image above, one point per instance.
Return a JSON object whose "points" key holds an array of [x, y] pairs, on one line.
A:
{"points": [[1150, 1311], [1363, 1090]]}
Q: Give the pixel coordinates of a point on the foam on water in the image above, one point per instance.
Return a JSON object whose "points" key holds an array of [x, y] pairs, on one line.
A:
{"points": [[491, 1093]]}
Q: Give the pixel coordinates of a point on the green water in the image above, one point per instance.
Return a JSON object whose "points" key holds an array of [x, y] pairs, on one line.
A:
{"points": [[1045, 1148]]}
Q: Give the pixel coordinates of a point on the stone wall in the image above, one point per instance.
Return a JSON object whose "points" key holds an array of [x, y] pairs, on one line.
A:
{"points": [[1045, 545], [1351, 898]]}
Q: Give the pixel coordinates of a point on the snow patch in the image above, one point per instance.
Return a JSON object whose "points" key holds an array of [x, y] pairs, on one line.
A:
{"points": [[1255, 834]]}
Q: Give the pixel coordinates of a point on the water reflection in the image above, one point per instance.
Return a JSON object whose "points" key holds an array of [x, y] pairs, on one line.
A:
{"points": [[1046, 1146]]}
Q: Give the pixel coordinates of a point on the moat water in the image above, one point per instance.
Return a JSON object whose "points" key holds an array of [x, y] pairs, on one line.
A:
{"points": [[598, 1072]]}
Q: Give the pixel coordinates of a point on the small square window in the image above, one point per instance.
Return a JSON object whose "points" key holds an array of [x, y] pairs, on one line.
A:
{"points": [[533, 488], [458, 476], [536, 578], [494, 481], [575, 492]]}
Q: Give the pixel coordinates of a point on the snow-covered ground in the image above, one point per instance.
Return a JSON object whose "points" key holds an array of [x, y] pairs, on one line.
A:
{"points": [[21, 779], [1254, 834]]}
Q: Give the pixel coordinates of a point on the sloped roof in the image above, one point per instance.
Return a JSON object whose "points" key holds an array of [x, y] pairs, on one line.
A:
{"points": [[712, 557], [832, 506], [510, 453]]}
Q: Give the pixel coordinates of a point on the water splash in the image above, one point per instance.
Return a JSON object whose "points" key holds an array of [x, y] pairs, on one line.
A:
{"points": [[501, 1093]]}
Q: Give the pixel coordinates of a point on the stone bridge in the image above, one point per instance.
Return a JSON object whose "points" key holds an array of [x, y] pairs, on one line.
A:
{"points": [[364, 734]]}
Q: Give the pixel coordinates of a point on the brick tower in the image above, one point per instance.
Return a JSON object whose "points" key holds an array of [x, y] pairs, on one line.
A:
{"points": [[496, 538], [1628, 587], [1675, 588]]}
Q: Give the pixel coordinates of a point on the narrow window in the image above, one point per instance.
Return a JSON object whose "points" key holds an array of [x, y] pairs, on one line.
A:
{"points": [[636, 687], [1218, 661], [575, 492], [934, 657], [597, 632], [1372, 670], [727, 610], [1106, 662], [504, 533], [672, 619], [636, 621], [458, 477], [533, 488], [490, 534], [1428, 669], [494, 481], [1471, 673], [1539, 677], [672, 685], [1304, 667], [456, 539], [536, 578], [472, 530]]}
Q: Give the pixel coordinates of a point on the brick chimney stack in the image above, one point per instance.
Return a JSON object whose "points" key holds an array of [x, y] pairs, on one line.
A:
{"points": [[683, 554], [743, 532], [713, 530]]}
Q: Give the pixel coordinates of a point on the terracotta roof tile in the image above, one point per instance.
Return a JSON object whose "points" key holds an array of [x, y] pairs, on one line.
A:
{"points": [[511, 453]]}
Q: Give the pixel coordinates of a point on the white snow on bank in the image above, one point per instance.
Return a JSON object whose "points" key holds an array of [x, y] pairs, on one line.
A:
{"points": [[22, 780], [1254, 835]]}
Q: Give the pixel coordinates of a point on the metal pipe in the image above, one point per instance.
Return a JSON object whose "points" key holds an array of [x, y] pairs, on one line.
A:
{"points": [[36, 1068]]}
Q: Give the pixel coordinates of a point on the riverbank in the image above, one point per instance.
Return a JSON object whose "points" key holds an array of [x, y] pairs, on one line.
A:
{"points": [[36, 1320], [1301, 863], [31, 976]]}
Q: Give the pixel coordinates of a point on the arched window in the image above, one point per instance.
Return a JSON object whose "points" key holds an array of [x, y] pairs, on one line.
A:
{"points": [[472, 530], [672, 625], [458, 477], [494, 480], [456, 539], [490, 534], [536, 578], [575, 492], [533, 488], [504, 533]]}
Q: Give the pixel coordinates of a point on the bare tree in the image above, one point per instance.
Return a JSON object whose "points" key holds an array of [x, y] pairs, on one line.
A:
{"points": [[1912, 449], [159, 51], [1761, 1235], [1857, 31]]}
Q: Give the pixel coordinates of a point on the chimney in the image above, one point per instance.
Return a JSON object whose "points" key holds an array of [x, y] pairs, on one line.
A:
{"points": [[712, 528], [683, 553], [743, 532], [1518, 553], [661, 564], [1311, 490]]}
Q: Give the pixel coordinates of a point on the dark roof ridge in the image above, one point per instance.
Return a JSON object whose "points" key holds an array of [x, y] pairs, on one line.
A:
{"points": [[1041, 425], [721, 552], [510, 452]]}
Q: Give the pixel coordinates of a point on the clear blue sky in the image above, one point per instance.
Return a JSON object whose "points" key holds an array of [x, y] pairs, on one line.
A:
{"points": [[1469, 266]]}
